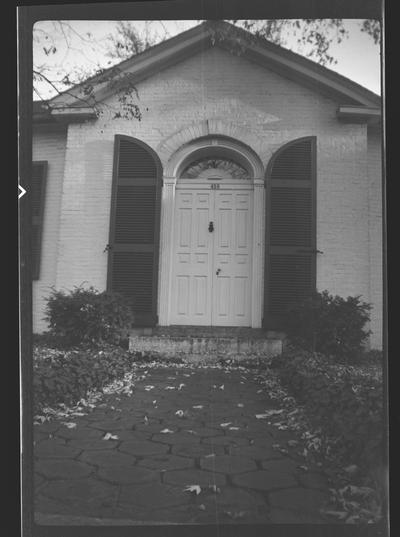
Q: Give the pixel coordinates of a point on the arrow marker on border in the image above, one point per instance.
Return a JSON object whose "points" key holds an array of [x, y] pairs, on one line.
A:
{"points": [[22, 191]]}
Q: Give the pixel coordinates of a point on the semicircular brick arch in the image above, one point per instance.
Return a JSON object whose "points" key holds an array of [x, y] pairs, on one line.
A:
{"points": [[208, 127]]}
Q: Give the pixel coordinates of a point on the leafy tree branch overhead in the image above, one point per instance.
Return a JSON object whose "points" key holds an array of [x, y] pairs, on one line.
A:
{"points": [[70, 53]]}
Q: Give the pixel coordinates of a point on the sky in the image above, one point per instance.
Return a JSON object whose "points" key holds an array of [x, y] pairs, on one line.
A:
{"points": [[357, 57]]}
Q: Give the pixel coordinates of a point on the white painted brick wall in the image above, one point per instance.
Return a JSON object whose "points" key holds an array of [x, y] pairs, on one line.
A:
{"points": [[375, 236], [48, 144], [259, 108]]}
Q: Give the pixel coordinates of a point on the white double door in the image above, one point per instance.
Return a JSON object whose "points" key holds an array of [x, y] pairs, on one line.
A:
{"points": [[211, 272]]}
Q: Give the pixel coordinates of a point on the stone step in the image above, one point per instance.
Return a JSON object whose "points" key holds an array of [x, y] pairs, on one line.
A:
{"points": [[207, 331], [198, 342]]}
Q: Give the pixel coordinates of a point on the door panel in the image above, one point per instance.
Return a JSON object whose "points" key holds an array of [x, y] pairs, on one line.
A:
{"points": [[199, 295], [191, 288], [232, 259]]}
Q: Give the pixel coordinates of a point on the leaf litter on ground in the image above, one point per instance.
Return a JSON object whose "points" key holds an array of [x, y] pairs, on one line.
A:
{"points": [[193, 488], [109, 436]]}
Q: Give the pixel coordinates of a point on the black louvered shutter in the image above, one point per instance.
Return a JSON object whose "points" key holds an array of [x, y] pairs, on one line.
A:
{"points": [[290, 230], [37, 193], [134, 227]]}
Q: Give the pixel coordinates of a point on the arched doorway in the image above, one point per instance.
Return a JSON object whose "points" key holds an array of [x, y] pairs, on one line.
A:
{"points": [[212, 240]]}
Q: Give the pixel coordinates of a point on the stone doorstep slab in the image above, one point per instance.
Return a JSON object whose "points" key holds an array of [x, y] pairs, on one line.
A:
{"points": [[172, 345], [206, 331]]}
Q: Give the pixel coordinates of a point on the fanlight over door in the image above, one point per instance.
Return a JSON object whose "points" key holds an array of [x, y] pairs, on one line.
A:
{"points": [[211, 167]]}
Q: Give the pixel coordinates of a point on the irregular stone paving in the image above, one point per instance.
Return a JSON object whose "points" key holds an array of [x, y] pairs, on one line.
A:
{"points": [[141, 476]]}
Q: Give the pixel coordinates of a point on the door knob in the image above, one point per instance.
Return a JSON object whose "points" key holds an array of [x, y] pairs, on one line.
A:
{"points": [[218, 271], [211, 227]]}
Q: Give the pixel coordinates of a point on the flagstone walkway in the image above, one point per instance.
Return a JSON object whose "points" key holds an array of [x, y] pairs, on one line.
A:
{"points": [[186, 447]]}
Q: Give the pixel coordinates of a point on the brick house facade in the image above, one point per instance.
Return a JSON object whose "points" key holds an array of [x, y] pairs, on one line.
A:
{"points": [[249, 180]]}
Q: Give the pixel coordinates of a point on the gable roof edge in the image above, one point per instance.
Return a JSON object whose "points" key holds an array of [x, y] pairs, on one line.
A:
{"points": [[175, 49]]}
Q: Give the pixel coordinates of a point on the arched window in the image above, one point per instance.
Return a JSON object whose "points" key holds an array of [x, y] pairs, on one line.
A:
{"points": [[223, 168], [134, 227], [290, 265]]}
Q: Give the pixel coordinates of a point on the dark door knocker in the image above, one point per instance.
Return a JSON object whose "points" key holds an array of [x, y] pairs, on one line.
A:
{"points": [[211, 227], [218, 271]]}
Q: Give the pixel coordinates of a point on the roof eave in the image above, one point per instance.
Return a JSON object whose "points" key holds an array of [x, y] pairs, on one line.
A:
{"points": [[285, 62], [359, 114], [313, 76], [65, 115]]}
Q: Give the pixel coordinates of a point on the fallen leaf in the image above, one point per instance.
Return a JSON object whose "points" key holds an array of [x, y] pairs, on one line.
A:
{"points": [[155, 401], [193, 488], [234, 428], [70, 425], [338, 514], [235, 514], [202, 507], [181, 386], [226, 424], [166, 431], [261, 416], [215, 489], [146, 420], [109, 436], [222, 387], [179, 413], [352, 469], [241, 405], [197, 406], [352, 519], [169, 388], [148, 388], [210, 455]]}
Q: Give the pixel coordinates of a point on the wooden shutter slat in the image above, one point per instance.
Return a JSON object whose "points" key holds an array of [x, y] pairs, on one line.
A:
{"points": [[135, 161], [290, 276], [37, 196], [290, 230], [134, 227]]}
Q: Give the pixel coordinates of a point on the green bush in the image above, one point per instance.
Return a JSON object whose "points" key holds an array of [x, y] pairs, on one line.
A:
{"points": [[67, 376], [329, 324], [88, 316], [346, 405]]}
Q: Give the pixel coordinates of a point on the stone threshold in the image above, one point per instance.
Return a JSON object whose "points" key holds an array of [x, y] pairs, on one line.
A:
{"points": [[205, 341]]}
